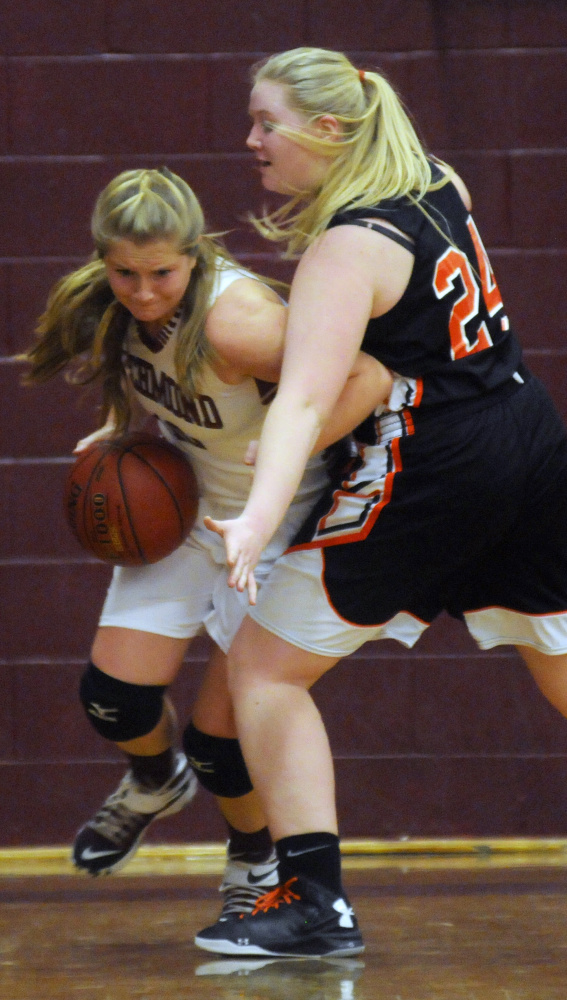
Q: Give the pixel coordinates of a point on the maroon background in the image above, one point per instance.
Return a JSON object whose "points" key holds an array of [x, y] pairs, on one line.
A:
{"points": [[440, 741]]}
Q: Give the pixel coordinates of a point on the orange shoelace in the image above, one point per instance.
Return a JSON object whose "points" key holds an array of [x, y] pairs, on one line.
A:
{"points": [[281, 894]]}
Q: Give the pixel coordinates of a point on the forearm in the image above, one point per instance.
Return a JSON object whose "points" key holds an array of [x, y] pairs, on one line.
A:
{"points": [[367, 387], [284, 450]]}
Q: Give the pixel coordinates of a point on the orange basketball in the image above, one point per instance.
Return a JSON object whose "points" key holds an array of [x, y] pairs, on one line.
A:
{"points": [[131, 501]]}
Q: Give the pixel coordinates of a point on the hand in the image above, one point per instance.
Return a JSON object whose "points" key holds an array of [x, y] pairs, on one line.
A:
{"points": [[243, 549], [100, 435]]}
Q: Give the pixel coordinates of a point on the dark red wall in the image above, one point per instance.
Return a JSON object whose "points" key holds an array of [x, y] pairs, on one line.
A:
{"points": [[442, 740]]}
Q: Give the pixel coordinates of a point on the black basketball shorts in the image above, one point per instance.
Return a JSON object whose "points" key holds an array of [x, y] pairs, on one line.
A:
{"points": [[462, 509]]}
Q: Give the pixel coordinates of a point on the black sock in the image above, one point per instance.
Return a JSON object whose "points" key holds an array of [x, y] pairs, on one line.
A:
{"points": [[153, 772], [251, 847], [315, 855]]}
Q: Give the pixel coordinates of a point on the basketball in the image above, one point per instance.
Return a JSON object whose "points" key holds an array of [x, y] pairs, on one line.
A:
{"points": [[131, 501]]}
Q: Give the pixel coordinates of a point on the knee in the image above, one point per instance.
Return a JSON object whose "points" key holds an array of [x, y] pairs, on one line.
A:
{"points": [[217, 762], [120, 711]]}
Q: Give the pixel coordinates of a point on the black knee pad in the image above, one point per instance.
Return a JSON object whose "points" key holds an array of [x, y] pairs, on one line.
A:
{"points": [[120, 711], [217, 762]]}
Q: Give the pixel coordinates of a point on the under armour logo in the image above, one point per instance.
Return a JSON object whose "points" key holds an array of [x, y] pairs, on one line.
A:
{"points": [[204, 766], [100, 712], [347, 913]]}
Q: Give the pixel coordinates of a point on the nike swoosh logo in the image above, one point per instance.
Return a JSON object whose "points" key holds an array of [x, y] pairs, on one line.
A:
{"points": [[89, 855], [256, 879], [308, 850]]}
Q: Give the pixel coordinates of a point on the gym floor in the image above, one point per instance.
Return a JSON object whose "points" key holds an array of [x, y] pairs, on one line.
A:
{"points": [[441, 921]]}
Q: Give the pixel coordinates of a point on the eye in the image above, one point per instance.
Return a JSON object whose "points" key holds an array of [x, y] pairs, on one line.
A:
{"points": [[162, 272], [123, 272], [267, 126]]}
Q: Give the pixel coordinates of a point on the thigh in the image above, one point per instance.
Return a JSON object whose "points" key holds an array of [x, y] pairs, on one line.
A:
{"points": [[138, 657], [549, 673], [260, 656]]}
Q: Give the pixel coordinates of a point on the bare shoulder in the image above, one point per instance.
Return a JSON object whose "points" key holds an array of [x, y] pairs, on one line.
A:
{"points": [[244, 294], [244, 304], [357, 265], [246, 327]]}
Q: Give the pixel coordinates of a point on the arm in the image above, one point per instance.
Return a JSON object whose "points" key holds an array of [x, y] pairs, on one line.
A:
{"points": [[367, 387], [247, 328], [138, 419], [345, 277]]}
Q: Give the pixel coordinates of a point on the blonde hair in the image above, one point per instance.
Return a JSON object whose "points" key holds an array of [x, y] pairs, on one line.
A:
{"points": [[83, 327], [376, 156]]}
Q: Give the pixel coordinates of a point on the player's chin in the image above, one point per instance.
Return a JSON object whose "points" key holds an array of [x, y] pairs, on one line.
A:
{"points": [[272, 183]]}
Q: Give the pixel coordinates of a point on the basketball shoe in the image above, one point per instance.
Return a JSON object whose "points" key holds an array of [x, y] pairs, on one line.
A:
{"points": [[299, 919], [244, 882], [111, 837]]}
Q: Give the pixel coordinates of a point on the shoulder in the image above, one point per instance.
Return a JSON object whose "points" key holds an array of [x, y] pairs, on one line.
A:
{"points": [[245, 326], [354, 268], [244, 301], [459, 183], [355, 249]]}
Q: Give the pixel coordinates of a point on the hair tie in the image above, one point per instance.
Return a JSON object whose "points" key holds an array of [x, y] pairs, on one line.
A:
{"points": [[361, 75]]}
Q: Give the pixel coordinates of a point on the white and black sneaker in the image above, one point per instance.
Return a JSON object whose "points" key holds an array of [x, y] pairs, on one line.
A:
{"points": [[112, 836], [244, 882], [299, 919]]}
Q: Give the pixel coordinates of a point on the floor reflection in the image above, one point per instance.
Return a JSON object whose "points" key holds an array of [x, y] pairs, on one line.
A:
{"points": [[284, 979], [480, 931]]}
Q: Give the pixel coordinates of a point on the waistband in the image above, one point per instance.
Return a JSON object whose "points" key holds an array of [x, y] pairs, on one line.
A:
{"points": [[461, 408]]}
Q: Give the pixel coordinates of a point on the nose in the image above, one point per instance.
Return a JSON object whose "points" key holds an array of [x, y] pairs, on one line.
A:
{"points": [[253, 140], [144, 291]]}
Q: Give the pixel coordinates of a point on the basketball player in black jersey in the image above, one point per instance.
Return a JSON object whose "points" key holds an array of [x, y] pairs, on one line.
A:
{"points": [[456, 501]]}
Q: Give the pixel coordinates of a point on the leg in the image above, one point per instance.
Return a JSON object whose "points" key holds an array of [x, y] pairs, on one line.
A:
{"points": [[210, 742], [122, 691], [142, 658], [290, 762], [282, 733], [549, 673], [213, 714]]}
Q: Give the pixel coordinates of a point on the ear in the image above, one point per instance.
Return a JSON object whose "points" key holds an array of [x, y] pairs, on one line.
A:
{"points": [[329, 126]]}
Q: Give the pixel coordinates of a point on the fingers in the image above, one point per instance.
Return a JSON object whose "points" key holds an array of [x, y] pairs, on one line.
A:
{"points": [[243, 578], [84, 443], [213, 525], [252, 589], [240, 555], [99, 435]]}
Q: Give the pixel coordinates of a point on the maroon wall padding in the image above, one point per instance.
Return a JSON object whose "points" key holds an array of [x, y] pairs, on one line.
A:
{"points": [[442, 740]]}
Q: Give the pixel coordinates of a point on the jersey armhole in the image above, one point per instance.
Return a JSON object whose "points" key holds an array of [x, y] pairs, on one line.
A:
{"points": [[390, 233]]}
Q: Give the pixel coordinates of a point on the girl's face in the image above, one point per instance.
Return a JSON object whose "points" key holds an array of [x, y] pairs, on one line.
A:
{"points": [[285, 166], [149, 279]]}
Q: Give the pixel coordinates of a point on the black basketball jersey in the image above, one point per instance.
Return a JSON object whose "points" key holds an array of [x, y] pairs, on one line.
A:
{"points": [[448, 333]]}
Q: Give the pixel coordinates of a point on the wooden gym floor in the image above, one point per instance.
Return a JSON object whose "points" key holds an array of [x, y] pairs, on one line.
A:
{"points": [[454, 920]]}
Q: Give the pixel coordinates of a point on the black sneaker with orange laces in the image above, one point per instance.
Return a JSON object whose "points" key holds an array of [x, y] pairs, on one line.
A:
{"points": [[296, 920]]}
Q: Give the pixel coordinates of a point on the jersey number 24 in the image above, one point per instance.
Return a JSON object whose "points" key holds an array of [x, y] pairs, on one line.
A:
{"points": [[455, 264]]}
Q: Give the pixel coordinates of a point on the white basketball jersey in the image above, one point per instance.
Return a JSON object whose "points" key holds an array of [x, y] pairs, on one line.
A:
{"points": [[215, 427]]}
